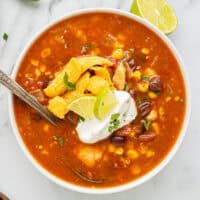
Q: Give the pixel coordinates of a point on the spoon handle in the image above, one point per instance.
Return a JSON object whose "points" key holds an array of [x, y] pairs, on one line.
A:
{"points": [[16, 89], [3, 197]]}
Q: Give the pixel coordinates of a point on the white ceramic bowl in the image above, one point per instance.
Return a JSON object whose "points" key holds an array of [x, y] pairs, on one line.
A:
{"points": [[150, 174]]}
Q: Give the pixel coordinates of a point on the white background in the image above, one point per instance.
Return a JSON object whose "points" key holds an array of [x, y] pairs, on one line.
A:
{"points": [[21, 181]]}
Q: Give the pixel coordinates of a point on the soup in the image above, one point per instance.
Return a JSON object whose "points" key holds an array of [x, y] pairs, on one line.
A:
{"points": [[135, 61]]}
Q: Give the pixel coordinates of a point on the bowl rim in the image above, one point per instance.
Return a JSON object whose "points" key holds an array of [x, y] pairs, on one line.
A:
{"points": [[169, 155]]}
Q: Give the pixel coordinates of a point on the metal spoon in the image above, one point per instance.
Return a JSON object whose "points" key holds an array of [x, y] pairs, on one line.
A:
{"points": [[16, 89]]}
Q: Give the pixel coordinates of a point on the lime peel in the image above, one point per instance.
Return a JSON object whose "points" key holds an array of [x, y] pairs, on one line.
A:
{"points": [[105, 102], [158, 12], [83, 106]]}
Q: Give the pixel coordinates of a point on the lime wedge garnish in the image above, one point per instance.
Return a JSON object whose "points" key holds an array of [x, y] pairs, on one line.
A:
{"points": [[83, 106], [105, 102], [158, 12]]}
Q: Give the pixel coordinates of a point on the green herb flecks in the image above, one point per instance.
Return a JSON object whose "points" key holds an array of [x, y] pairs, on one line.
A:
{"points": [[157, 93], [85, 48], [59, 140], [69, 85], [147, 125], [81, 119], [144, 77], [5, 36], [114, 122], [126, 87]]}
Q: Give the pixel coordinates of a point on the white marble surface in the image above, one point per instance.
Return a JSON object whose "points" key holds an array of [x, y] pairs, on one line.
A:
{"points": [[21, 181]]}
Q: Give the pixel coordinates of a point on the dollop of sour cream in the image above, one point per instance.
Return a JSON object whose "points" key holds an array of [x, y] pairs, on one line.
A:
{"points": [[94, 130]]}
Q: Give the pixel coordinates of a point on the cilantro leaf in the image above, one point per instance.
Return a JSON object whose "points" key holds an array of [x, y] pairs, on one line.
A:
{"points": [[147, 125], [5, 36], [85, 48], [69, 85]]}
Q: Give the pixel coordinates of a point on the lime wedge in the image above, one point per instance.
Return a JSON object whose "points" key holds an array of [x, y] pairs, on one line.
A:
{"points": [[158, 12], [105, 102], [83, 106]]}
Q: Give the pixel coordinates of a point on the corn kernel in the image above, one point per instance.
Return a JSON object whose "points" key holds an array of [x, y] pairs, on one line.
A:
{"points": [[79, 33], [177, 98], [155, 127], [150, 154], [118, 45], [95, 52], [34, 62], [136, 75], [132, 154], [152, 95], [143, 86], [119, 151], [149, 72], [46, 127], [118, 54], [27, 75], [40, 147], [152, 116], [167, 99], [42, 68], [121, 37], [46, 52], [37, 73], [44, 152], [111, 148], [145, 51], [135, 170], [161, 111]]}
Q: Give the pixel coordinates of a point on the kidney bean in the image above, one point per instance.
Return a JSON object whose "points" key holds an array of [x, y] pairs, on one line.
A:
{"points": [[72, 117], [132, 92], [40, 96], [148, 137], [145, 108], [155, 84], [138, 129], [118, 140], [124, 131]]}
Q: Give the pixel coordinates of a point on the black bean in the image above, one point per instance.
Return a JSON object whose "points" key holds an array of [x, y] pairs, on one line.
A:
{"points": [[155, 84], [118, 140], [145, 108]]}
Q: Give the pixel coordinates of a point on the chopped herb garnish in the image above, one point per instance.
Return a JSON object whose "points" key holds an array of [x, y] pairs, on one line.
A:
{"points": [[144, 77], [69, 85], [114, 122], [115, 116], [61, 141], [65, 46], [85, 48], [157, 93], [126, 87], [147, 125], [5, 36], [81, 119]]}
